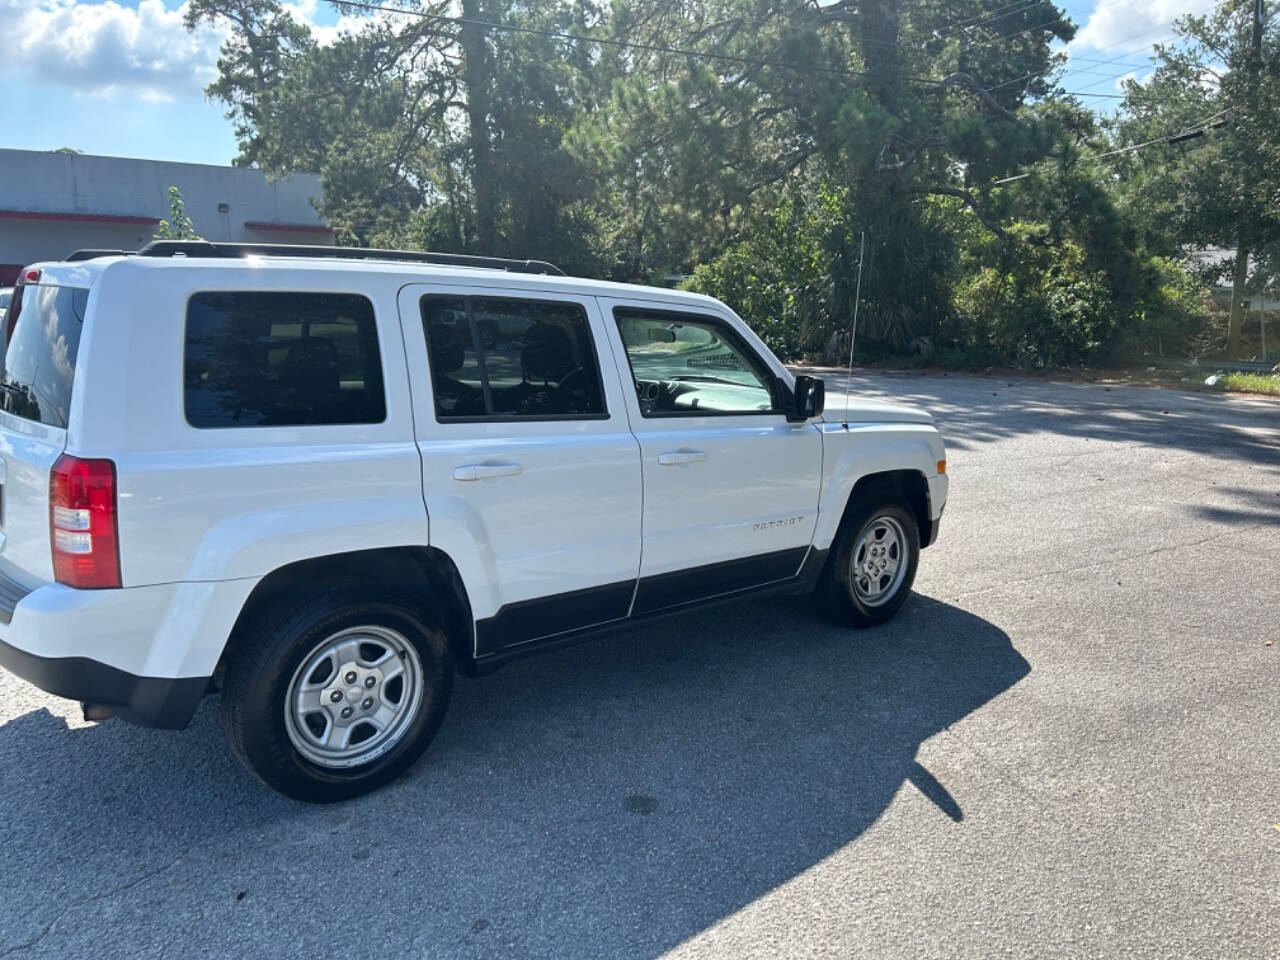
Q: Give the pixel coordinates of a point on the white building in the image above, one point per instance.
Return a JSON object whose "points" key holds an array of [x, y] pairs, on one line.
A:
{"points": [[54, 203]]}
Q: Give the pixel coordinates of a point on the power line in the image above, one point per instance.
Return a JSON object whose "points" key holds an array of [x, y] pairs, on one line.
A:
{"points": [[990, 17], [664, 48], [621, 44], [1054, 66], [1039, 27], [680, 51], [1199, 129]]}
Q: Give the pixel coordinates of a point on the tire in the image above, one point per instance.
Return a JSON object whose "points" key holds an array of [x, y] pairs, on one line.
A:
{"points": [[852, 599], [299, 654]]}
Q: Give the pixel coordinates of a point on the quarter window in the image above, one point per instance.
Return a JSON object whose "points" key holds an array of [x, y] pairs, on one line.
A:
{"points": [[40, 361], [686, 365], [497, 358], [282, 359]]}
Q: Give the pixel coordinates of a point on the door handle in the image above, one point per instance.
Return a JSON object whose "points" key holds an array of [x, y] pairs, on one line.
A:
{"points": [[487, 471], [681, 456]]}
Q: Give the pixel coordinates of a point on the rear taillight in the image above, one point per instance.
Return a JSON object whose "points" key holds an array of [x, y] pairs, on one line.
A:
{"points": [[82, 523]]}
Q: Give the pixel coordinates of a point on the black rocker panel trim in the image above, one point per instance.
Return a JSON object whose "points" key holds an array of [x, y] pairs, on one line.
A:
{"points": [[533, 622], [701, 583], [548, 616], [803, 583]]}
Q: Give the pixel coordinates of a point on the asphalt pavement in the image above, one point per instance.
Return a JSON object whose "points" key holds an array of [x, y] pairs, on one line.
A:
{"points": [[1066, 745]]}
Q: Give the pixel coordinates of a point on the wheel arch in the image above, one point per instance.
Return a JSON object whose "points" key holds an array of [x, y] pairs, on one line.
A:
{"points": [[907, 486], [424, 576]]}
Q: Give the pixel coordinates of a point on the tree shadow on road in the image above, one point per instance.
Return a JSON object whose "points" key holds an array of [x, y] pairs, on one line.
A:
{"points": [[611, 800], [974, 410]]}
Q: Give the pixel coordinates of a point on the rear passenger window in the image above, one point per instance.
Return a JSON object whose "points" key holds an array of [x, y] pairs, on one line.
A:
{"points": [[496, 358], [282, 360]]}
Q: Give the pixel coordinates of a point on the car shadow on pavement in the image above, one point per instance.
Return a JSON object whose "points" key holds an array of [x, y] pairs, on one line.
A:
{"points": [[610, 800]]}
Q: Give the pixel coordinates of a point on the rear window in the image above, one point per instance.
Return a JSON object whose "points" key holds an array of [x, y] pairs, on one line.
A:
{"points": [[282, 359], [40, 361]]}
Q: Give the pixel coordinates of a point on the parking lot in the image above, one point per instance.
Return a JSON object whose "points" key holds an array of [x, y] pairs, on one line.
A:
{"points": [[1065, 745]]}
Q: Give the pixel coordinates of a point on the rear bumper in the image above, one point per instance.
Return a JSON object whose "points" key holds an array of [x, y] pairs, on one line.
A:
{"points": [[148, 701], [146, 652]]}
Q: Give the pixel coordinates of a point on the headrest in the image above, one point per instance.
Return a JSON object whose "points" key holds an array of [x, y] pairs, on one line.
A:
{"points": [[448, 351], [313, 361], [548, 353]]}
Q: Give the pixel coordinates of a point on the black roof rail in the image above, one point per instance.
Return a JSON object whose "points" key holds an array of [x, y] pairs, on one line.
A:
{"points": [[91, 254], [206, 248]]}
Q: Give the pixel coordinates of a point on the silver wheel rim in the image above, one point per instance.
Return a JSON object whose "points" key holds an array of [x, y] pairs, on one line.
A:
{"points": [[353, 697], [879, 561]]}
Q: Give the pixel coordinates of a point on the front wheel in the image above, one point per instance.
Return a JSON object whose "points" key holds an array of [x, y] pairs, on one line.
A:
{"points": [[873, 565], [328, 697]]}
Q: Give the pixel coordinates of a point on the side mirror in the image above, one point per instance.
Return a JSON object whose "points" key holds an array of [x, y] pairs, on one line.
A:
{"points": [[810, 399]]}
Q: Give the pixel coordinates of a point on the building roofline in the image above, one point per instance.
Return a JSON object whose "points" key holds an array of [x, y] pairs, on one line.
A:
{"points": [[77, 217], [174, 163]]}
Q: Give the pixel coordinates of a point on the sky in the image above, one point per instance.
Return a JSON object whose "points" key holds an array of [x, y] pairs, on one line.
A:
{"points": [[125, 78]]}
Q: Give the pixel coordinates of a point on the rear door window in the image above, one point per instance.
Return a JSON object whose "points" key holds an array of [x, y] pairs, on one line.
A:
{"points": [[494, 358], [274, 359], [40, 360]]}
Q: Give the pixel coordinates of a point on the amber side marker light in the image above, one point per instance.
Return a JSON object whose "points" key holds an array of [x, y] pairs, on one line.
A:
{"points": [[942, 466]]}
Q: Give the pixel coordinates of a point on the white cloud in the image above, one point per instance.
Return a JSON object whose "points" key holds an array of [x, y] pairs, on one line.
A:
{"points": [[1124, 26], [104, 50], [1137, 78]]}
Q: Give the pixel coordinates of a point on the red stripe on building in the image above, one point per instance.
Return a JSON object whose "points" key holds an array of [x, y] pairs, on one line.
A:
{"points": [[288, 227], [77, 217]]}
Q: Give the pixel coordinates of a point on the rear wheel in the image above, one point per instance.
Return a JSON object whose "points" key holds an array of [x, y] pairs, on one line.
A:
{"points": [[871, 570], [328, 697]]}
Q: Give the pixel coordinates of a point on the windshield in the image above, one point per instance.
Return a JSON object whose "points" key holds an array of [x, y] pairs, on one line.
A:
{"points": [[40, 362], [6, 294]]}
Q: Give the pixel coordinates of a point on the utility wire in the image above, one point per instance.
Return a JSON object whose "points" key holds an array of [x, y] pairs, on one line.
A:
{"points": [[678, 51], [664, 48], [982, 19], [1211, 122], [621, 44], [1051, 67]]}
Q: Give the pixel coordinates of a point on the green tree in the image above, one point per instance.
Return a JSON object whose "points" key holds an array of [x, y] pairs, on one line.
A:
{"points": [[875, 105], [178, 226], [1218, 186], [426, 132]]}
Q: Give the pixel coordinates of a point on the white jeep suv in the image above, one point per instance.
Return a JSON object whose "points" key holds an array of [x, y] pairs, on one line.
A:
{"points": [[323, 481]]}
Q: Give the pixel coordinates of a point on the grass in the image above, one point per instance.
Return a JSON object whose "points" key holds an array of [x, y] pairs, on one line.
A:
{"points": [[1250, 383]]}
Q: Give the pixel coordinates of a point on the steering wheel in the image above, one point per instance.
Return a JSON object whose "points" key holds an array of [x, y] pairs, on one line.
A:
{"points": [[568, 381]]}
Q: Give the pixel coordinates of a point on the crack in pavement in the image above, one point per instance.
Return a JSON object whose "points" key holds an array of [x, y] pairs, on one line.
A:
{"points": [[97, 898]]}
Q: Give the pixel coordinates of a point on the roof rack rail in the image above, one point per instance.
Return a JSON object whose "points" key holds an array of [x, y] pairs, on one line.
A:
{"points": [[205, 248], [90, 253]]}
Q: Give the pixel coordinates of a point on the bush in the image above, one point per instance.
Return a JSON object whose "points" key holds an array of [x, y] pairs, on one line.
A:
{"points": [[1177, 318], [1041, 308], [793, 275]]}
